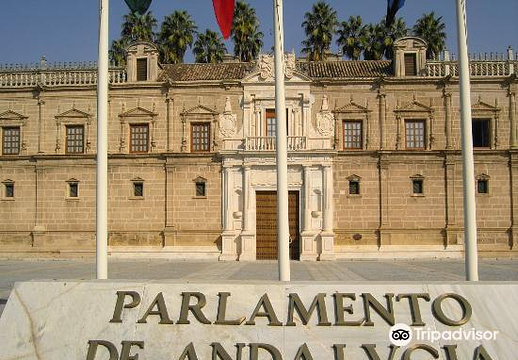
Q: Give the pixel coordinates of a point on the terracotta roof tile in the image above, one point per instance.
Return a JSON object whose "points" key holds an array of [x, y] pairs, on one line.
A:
{"points": [[345, 69], [314, 69], [206, 72]]}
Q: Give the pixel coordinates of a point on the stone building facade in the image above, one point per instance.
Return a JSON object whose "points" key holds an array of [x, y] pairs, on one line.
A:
{"points": [[373, 151]]}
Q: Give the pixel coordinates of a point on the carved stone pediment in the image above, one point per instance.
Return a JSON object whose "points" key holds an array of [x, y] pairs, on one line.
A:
{"points": [[415, 106], [11, 115], [482, 106], [74, 113], [138, 112], [200, 110], [352, 107]]}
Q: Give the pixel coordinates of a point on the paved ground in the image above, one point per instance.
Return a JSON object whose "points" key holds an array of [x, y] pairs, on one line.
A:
{"points": [[380, 270]]}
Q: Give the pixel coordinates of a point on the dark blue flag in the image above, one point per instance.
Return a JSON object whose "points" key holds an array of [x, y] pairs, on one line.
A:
{"points": [[392, 7]]}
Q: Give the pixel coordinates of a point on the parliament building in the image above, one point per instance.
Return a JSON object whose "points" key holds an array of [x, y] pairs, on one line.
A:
{"points": [[374, 157]]}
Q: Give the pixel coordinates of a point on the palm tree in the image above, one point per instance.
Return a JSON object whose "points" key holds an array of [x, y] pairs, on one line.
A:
{"points": [[138, 27], [248, 40], [117, 52], [431, 29], [209, 47], [350, 34], [319, 26], [176, 34], [135, 27], [373, 42], [395, 31]]}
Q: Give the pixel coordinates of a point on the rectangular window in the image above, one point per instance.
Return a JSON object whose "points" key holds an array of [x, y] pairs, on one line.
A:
{"points": [[410, 65], [271, 123], [10, 140], [75, 139], [139, 138], [353, 136], [200, 189], [415, 134], [483, 186], [200, 137], [9, 190], [141, 69], [138, 189], [73, 190], [354, 187], [480, 130], [417, 186]]}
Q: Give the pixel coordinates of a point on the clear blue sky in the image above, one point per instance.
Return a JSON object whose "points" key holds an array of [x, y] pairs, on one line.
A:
{"points": [[66, 30]]}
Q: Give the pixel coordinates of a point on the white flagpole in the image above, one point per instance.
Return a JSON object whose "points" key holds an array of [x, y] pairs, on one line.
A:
{"points": [[102, 145], [468, 173], [283, 232]]}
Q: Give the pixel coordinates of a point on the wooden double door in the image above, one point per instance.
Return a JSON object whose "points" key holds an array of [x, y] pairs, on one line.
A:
{"points": [[266, 225]]}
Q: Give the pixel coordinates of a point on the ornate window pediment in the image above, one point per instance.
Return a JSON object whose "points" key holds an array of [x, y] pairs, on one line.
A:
{"points": [[73, 117], [133, 117], [199, 110], [13, 117], [414, 107], [138, 112]]}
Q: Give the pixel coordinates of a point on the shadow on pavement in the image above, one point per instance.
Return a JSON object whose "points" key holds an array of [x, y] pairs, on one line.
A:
{"points": [[3, 301]]}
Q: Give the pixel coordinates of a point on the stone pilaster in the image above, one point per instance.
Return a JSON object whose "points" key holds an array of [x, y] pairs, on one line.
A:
{"points": [[248, 248], [170, 122], [512, 118], [308, 247], [41, 133], [513, 164], [383, 168], [39, 231], [382, 103], [228, 246], [170, 229], [327, 235], [453, 232], [447, 119]]}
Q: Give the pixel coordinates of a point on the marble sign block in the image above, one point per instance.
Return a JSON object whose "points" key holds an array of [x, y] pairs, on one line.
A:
{"points": [[117, 320]]}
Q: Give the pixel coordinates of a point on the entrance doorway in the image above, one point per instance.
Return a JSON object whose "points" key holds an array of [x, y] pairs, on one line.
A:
{"points": [[266, 225]]}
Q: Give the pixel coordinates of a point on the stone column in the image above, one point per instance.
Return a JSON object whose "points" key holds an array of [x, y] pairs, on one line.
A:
{"points": [[248, 248], [382, 98], [512, 118], [170, 122], [169, 230], [41, 132], [228, 247], [39, 231], [308, 247], [513, 164], [447, 119], [453, 232], [384, 200], [327, 234]]}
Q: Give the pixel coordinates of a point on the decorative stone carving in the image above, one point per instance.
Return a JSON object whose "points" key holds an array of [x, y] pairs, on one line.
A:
{"points": [[227, 120], [289, 65], [325, 119], [267, 67]]}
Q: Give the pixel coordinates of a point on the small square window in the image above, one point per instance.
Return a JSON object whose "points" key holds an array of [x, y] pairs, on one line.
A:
{"points": [[483, 186], [417, 187], [138, 189], [200, 189], [73, 190], [9, 190], [354, 187]]}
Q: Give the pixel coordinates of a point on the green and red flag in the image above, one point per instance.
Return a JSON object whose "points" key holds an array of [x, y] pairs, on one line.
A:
{"points": [[224, 10], [392, 7]]}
